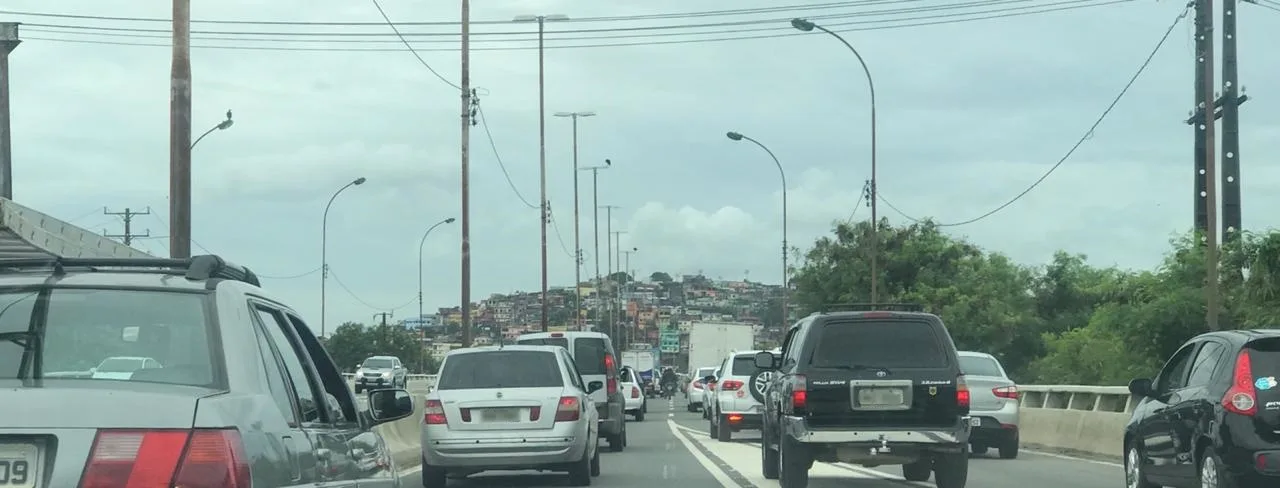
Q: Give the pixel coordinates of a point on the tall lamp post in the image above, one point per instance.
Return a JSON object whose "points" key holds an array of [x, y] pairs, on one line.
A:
{"points": [[577, 227], [872, 196], [224, 125], [420, 244], [595, 221], [324, 248], [786, 284], [626, 270], [542, 148]]}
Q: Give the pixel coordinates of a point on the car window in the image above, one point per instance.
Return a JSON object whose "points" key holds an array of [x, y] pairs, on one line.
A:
{"points": [[980, 366], [329, 376], [705, 372], [113, 330], [499, 369], [574, 378], [876, 343], [743, 366], [281, 394], [1203, 366], [1174, 374], [545, 341], [1264, 358], [589, 353], [378, 363], [310, 399]]}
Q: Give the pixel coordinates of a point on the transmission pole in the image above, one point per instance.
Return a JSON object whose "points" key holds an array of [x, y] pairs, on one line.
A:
{"points": [[467, 121], [1231, 218], [8, 42], [180, 133], [127, 215], [1208, 198]]}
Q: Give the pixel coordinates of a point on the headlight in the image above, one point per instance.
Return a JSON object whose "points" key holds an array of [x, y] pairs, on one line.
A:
{"points": [[386, 374]]}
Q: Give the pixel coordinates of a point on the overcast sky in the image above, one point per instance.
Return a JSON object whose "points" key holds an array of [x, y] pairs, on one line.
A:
{"points": [[969, 115]]}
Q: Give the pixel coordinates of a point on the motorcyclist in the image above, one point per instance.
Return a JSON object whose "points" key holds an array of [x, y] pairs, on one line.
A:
{"points": [[668, 380]]}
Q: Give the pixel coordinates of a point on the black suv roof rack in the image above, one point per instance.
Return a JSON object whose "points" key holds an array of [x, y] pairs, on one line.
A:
{"points": [[868, 307], [196, 268]]}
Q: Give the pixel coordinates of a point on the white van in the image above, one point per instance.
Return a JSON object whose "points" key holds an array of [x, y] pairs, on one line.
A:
{"points": [[596, 360]]}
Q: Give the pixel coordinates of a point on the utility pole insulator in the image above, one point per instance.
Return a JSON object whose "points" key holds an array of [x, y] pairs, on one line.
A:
{"points": [[127, 215]]}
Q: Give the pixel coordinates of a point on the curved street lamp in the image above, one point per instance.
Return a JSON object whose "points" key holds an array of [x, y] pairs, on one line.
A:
{"points": [[808, 26], [420, 243], [224, 125], [324, 247], [786, 288]]}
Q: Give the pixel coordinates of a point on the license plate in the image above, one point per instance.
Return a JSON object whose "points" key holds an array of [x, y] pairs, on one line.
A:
{"points": [[975, 421], [19, 465], [501, 414], [881, 397]]}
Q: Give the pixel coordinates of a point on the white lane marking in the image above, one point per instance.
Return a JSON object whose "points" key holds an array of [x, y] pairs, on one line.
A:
{"points": [[1072, 458], [744, 457], [720, 476]]}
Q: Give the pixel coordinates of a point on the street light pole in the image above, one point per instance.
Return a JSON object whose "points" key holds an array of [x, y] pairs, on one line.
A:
{"points": [[420, 244], [577, 227], [542, 149], [786, 288], [224, 125], [873, 196], [616, 317], [595, 220], [324, 247], [627, 272]]}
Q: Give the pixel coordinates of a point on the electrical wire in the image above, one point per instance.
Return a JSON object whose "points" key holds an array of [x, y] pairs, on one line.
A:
{"points": [[290, 277], [424, 62], [498, 157], [1080, 142], [616, 18], [721, 36], [862, 197], [362, 301], [1272, 5], [559, 237]]}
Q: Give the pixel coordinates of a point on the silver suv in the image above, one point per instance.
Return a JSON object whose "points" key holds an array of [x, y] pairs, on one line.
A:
{"points": [[379, 372]]}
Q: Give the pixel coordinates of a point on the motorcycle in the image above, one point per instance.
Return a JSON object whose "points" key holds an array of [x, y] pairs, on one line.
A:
{"points": [[668, 390]]}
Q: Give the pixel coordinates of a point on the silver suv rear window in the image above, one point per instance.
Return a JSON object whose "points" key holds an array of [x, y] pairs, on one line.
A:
{"points": [[109, 335]]}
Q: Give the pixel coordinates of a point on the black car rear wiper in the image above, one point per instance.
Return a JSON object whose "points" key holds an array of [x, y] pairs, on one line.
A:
{"points": [[850, 367]]}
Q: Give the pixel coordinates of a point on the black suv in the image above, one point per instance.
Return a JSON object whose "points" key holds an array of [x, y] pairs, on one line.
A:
{"points": [[1213, 413], [872, 387]]}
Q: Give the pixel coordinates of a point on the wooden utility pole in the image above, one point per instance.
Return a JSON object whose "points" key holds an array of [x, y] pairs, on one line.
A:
{"points": [[8, 42], [1204, 60], [467, 121], [180, 133], [127, 215]]}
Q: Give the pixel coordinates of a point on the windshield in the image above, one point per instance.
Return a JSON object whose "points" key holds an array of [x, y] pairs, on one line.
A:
{"points": [[979, 366], [500, 369], [378, 363], [886, 344], [704, 372], [113, 331], [545, 341]]}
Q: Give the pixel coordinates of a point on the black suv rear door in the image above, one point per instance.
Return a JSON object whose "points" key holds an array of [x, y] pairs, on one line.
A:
{"points": [[882, 369]]}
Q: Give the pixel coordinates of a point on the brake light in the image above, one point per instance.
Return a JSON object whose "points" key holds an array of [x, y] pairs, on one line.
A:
{"points": [[433, 413], [202, 458], [568, 410], [611, 375], [1010, 392], [799, 393], [962, 393], [730, 385], [697, 384], [635, 392], [877, 315], [557, 334], [1241, 398]]}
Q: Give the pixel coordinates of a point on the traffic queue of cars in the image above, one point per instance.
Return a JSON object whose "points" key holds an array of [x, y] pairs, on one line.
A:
{"points": [[542, 404]]}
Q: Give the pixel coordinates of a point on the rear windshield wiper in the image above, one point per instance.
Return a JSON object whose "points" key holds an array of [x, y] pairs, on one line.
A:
{"points": [[850, 367]]}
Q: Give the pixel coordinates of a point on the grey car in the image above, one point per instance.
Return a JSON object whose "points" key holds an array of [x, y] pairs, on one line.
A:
{"points": [[594, 356], [246, 396], [993, 403], [510, 408], [381, 372]]}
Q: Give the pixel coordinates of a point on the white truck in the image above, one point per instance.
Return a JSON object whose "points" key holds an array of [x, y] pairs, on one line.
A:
{"points": [[711, 342]]}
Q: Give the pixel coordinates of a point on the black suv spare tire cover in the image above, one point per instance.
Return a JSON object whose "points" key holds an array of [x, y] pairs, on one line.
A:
{"points": [[758, 383]]}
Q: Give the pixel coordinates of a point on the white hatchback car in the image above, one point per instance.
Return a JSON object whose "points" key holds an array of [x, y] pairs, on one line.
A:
{"points": [[510, 408], [632, 387]]}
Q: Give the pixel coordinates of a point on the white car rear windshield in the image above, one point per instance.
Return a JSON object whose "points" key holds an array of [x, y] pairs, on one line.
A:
{"points": [[979, 366], [106, 334], [500, 369]]}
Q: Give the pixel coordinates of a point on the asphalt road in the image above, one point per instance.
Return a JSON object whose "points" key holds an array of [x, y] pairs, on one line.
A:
{"points": [[672, 445]]}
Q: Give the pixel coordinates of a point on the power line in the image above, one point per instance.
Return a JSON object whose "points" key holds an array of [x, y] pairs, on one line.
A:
{"points": [[1080, 142], [362, 301], [616, 18], [424, 62], [720, 36], [1267, 4], [559, 236], [498, 157], [294, 276]]}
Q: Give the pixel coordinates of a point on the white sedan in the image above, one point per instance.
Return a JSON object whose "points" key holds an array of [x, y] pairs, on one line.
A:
{"points": [[635, 403]]}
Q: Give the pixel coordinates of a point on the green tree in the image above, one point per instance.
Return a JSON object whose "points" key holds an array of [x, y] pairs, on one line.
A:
{"points": [[352, 342], [660, 277]]}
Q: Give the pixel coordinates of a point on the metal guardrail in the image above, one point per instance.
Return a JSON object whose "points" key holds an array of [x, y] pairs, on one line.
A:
{"points": [[1087, 398], [412, 377]]}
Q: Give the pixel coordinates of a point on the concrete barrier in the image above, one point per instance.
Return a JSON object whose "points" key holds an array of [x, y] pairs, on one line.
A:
{"points": [[1076, 418]]}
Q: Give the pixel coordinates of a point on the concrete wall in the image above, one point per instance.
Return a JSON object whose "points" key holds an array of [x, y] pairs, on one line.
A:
{"points": [[1085, 419]]}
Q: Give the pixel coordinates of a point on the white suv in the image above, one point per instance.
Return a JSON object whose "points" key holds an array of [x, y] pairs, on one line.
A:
{"points": [[737, 402]]}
